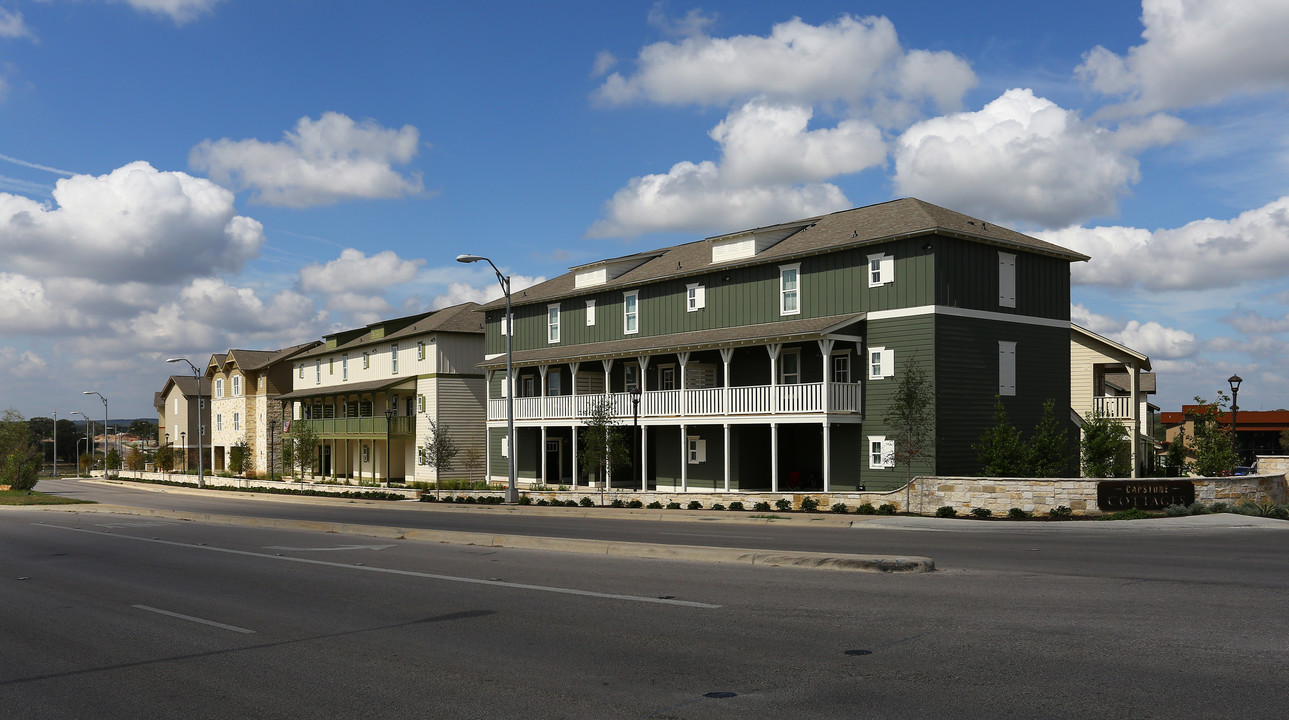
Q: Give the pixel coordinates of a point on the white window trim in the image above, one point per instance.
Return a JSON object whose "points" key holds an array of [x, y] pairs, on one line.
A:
{"points": [[317, 371], [366, 360], [783, 376], [626, 370], [420, 350], [794, 268], [553, 382], [885, 269], [590, 313], [695, 297], [1006, 280], [886, 363], [237, 386], [237, 421], [1006, 368], [886, 459], [219, 388], [552, 325], [675, 385], [420, 403], [695, 449], [393, 359], [626, 315], [344, 367], [219, 422], [832, 366]]}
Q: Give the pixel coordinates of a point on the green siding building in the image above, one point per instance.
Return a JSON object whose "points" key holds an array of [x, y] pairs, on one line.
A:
{"points": [[767, 359]]}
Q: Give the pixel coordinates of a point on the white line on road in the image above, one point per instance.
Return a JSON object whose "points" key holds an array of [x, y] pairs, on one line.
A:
{"points": [[392, 571], [212, 623], [333, 547], [711, 535]]}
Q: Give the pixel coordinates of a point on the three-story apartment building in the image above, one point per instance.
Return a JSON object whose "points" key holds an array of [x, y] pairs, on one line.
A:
{"points": [[375, 395], [244, 386], [181, 414], [768, 359]]}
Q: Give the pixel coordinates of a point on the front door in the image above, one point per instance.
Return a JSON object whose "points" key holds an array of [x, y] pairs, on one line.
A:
{"points": [[553, 470]]}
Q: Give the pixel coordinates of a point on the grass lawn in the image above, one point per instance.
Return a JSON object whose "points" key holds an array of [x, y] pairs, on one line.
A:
{"points": [[23, 497]]}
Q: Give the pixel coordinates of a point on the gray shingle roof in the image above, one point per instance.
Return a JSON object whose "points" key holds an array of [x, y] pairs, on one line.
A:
{"points": [[849, 228], [463, 318]]}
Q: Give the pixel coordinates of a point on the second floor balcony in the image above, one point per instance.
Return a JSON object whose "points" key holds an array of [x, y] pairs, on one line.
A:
{"points": [[373, 427], [1119, 407], [714, 402]]}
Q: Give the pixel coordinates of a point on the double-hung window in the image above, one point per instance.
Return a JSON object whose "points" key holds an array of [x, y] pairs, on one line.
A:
{"points": [[590, 313], [881, 452], [219, 388], [790, 289], [366, 360], [237, 421], [344, 367], [881, 363], [237, 386], [393, 359], [420, 349], [552, 323], [881, 270], [841, 367], [317, 371], [219, 422], [631, 313], [790, 367], [695, 297]]}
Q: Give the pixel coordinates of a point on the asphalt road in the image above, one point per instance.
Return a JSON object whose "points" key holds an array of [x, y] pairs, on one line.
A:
{"points": [[116, 616]]}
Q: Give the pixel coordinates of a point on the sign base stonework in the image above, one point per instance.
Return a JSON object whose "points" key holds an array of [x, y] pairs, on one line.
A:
{"points": [[1116, 495]]}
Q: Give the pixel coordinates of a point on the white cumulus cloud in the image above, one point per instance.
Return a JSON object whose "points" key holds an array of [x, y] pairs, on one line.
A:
{"points": [[1196, 52], [354, 270], [1023, 158], [320, 162], [180, 11], [769, 142], [1208, 253], [13, 26], [133, 224], [1149, 338]]}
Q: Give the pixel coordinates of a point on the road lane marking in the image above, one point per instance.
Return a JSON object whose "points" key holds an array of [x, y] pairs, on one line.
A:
{"points": [[211, 623], [392, 571], [333, 547], [713, 535]]}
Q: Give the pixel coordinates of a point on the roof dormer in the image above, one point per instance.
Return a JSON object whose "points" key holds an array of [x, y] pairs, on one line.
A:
{"points": [[750, 243], [599, 273]]}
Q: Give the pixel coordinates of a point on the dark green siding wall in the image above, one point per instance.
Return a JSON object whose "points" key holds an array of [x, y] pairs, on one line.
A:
{"points": [[912, 338], [968, 278], [967, 381]]}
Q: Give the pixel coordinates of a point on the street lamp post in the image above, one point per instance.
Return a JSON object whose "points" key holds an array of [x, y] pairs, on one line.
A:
{"points": [[272, 426], [87, 441], [100, 397], [635, 444], [201, 429], [389, 420], [183, 443], [55, 444], [512, 492], [1234, 382]]}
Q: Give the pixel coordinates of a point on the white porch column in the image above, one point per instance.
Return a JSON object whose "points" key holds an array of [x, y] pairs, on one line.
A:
{"points": [[726, 355], [543, 370], [644, 458], [575, 475], [774, 457], [684, 457], [727, 455], [1136, 415], [825, 347], [541, 456], [773, 349], [683, 359], [827, 455]]}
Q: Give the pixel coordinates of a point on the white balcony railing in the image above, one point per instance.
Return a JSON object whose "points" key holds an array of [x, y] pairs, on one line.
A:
{"points": [[797, 398], [1114, 406]]}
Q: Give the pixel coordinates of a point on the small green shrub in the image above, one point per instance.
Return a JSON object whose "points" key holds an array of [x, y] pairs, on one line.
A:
{"points": [[1219, 507], [694, 505], [1199, 508], [1018, 514], [634, 504], [783, 504], [617, 503], [543, 502], [839, 508], [718, 506], [655, 505], [470, 499], [886, 509], [736, 505], [867, 509], [427, 498], [586, 502], [809, 504], [562, 488], [761, 507], [982, 513], [1177, 510], [1280, 512], [525, 500], [1263, 508], [946, 511], [673, 505], [1129, 514], [1060, 512]]}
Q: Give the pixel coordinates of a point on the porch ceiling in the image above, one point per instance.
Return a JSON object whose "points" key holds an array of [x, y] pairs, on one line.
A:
{"points": [[785, 331], [347, 388]]}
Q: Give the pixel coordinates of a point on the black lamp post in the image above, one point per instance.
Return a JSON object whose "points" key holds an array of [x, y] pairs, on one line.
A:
{"points": [[389, 420], [1235, 381], [272, 426], [183, 443], [635, 416]]}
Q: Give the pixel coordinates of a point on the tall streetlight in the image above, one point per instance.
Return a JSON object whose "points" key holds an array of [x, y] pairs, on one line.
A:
{"points": [[100, 397], [183, 443], [1235, 381], [635, 450], [201, 430], [512, 492], [87, 441], [272, 425], [55, 444]]}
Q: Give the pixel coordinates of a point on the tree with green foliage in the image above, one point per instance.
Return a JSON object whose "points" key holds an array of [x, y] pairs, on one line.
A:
{"points": [[165, 459], [1047, 454], [439, 452], [1284, 441], [113, 459], [143, 429], [911, 422], [238, 456], [603, 445], [1176, 455], [472, 462], [1000, 450], [1104, 451], [1214, 450], [134, 459], [19, 458], [304, 446]]}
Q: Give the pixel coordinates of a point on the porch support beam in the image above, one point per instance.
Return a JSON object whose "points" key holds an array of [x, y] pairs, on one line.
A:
{"points": [[773, 349], [827, 455], [727, 456], [726, 355], [825, 348], [774, 457], [684, 457]]}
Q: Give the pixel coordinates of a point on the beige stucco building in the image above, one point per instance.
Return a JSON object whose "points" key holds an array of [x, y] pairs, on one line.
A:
{"points": [[244, 386]]}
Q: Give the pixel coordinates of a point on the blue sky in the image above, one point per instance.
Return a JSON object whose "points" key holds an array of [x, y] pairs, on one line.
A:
{"points": [[181, 177]]}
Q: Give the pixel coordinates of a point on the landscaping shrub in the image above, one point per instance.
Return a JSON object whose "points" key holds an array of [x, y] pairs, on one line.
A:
{"points": [[427, 498], [617, 503], [543, 502], [570, 503], [1018, 514], [1200, 509], [839, 508], [783, 504], [718, 506], [1219, 507], [694, 505], [673, 505], [1177, 510], [867, 509], [586, 502], [655, 505], [634, 504], [946, 511], [982, 513], [761, 507], [1280, 512], [525, 500], [1060, 512], [736, 505], [1129, 514], [809, 504], [886, 509]]}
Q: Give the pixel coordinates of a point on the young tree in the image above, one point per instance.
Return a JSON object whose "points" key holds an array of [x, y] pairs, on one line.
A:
{"points": [[238, 454], [165, 459], [1176, 456], [19, 458], [143, 429], [1047, 454], [911, 422], [1000, 450], [439, 452], [286, 454], [1214, 451], [134, 459], [113, 459], [603, 447], [304, 446], [1104, 451], [473, 462]]}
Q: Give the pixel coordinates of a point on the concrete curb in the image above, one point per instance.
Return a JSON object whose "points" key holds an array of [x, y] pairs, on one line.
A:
{"points": [[692, 553]]}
